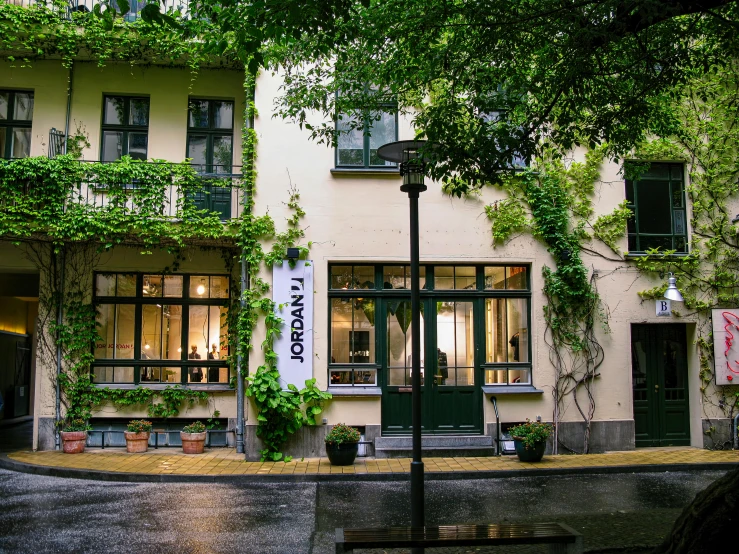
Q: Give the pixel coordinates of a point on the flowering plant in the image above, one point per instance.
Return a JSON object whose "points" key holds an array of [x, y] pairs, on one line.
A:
{"points": [[195, 427], [139, 426], [342, 433], [531, 432], [75, 425]]}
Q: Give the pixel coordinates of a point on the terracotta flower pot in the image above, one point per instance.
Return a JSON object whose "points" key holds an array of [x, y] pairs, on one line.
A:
{"points": [[73, 442], [136, 442], [193, 443]]}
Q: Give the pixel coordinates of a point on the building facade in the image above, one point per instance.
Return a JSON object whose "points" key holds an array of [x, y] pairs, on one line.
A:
{"points": [[486, 361]]}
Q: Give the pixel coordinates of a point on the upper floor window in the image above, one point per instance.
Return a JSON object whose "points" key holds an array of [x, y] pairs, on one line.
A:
{"points": [[16, 114], [210, 126], [509, 142], [125, 128], [657, 199], [358, 141]]}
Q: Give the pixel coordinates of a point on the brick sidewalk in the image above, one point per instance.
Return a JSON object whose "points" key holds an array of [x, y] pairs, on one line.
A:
{"points": [[225, 461]]}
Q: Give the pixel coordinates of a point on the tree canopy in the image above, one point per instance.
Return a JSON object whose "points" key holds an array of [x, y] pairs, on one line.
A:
{"points": [[491, 81]]}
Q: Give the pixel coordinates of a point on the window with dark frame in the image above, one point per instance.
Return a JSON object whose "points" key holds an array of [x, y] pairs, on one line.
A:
{"points": [[161, 329], [125, 128], [210, 126], [657, 199], [357, 141], [495, 298], [16, 118]]}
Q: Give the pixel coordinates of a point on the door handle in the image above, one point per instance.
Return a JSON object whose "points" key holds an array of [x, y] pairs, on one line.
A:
{"points": [[656, 388]]}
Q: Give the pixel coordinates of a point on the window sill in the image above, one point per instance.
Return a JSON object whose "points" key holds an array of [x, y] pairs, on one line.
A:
{"points": [[349, 390], [365, 171], [511, 389], [162, 386], [635, 255]]}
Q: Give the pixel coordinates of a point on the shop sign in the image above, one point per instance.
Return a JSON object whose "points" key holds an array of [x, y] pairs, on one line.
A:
{"points": [[664, 309], [726, 345], [292, 292]]}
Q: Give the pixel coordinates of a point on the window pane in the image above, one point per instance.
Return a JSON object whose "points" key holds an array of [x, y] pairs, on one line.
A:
{"points": [[455, 344], [364, 277], [21, 147], [112, 146], [350, 143], [126, 284], [137, 145], [341, 377], [399, 318], [152, 286], [3, 141], [519, 376], [198, 113], [222, 154], [365, 377], [516, 278], [464, 278], [381, 132], [151, 332], [219, 287], [23, 106], [198, 340], [679, 219], [173, 286], [113, 113], [139, 111], [496, 337], [223, 115], [199, 286], [218, 375], [518, 329], [653, 199], [105, 284], [495, 278], [647, 242], [102, 375], [105, 319], [341, 276], [352, 330], [150, 374], [112, 375], [172, 332], [196, 149], [444, 278], [4, 99], [677, 194], [171, 375], [496, 376], [116, 329]]}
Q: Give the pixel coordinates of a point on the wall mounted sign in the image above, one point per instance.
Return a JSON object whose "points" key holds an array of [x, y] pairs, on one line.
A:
{"points": [[726, 345], [292, 291], [664, 308]]}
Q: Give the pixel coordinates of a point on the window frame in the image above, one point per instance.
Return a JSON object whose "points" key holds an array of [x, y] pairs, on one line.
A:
{"points": [[125, 128], [632, 199], [366, 136], [211, 132], [11, 123], [139, 301], [382, 295]]}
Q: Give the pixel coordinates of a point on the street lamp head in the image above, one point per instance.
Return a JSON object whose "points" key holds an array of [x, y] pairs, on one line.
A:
{"points": [[672, 293], [411, 157]]}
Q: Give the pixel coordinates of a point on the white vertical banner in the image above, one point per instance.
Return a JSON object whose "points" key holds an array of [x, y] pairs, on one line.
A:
{"points": [[726, 345], [292, 292]]}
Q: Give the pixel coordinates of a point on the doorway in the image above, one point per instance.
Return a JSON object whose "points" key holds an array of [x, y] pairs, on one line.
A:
{"points": [[659, 373]]}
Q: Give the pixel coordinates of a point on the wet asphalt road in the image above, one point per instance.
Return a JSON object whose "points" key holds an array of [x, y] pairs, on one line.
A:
{"points": [[45, 514]]}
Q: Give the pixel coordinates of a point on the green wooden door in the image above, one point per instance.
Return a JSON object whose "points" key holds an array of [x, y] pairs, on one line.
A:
{"points": [[451, 394], [659, 372]]}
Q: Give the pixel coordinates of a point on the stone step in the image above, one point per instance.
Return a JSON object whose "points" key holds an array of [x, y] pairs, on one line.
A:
{"points": [[443, 446]]}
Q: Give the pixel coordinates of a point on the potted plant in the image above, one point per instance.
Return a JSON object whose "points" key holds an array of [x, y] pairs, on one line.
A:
{"points": [[342, 445], [137, 435], [531, 440], [74, 436], [193, 438]]}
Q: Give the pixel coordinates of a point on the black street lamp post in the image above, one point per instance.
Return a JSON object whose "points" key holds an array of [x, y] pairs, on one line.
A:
{"points": [[409, 155]]}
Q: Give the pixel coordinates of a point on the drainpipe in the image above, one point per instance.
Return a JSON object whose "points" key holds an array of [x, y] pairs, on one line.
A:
{"points": [[240, 362], [736, 432], [59, 320], [69, 106]]}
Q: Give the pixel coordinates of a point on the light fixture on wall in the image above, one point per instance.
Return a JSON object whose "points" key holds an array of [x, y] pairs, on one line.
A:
{"points": [[672, 293], [293, 253], [146, 346], [201, 287]]}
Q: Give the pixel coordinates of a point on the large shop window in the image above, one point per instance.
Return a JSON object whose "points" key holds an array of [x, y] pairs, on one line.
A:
{"points": [[657, 199], [125, 129], [480, 327], [16, 115], [169, 329], [358, 140]]}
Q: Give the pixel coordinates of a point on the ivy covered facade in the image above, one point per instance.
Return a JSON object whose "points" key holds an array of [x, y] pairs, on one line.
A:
{"points": [[149, 199]]}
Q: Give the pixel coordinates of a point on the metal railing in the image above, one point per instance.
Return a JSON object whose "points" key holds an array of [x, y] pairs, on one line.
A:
{"points": [[155, 190], [86, 6]]}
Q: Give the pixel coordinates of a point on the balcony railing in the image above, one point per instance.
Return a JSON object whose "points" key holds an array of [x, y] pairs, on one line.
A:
{"points": [[128, 191], [67, 7]]}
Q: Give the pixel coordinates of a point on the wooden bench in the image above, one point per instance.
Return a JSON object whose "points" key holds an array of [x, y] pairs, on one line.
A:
{"points": [[561, 538]]}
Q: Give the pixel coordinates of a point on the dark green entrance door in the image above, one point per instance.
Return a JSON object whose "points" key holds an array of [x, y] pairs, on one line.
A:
{"points": [[450, 390], [659, 372]]}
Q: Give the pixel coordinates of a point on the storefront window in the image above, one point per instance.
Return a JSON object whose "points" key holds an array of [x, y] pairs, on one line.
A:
{"points": [[183, 340]]}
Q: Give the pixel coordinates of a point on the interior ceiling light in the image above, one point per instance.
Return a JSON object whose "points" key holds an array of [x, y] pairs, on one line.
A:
{"points": [[201, 287], [146, 346]]}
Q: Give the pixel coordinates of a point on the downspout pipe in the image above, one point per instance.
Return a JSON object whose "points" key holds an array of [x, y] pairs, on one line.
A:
{"points": [[59, 321], [69, 105], [245, 284]]}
